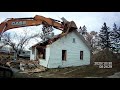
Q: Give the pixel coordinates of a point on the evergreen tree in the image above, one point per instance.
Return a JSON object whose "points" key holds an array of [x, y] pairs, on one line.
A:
{"points": [[83, 30], [115, 38], [105, 37]]}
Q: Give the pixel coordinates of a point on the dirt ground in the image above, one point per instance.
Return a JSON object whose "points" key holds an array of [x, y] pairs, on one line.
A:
{"points": [[88, 71]]}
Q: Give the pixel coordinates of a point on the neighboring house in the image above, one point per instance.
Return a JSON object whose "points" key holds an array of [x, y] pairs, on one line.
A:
{"points": [[5, 48], [25, 54], [62, 51]]}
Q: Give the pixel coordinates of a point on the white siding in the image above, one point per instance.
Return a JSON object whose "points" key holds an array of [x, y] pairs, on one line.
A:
{"points": [[32, 55], [73, 52], [44, 62]]}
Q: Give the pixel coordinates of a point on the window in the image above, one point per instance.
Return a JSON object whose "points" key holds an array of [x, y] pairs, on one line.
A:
{"points": [[41, 53], [73, 40], [81, 55], [64, 55]]}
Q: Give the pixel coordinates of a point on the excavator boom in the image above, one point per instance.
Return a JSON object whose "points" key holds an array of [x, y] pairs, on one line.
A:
{"points": [[24, 22]]}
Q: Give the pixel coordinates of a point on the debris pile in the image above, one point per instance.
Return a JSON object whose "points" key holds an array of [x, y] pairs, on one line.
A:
{"points": [[23, 65], [27, 66], [34, 70], [4, 60]]}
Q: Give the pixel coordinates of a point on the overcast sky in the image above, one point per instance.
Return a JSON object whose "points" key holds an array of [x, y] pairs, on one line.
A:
{"points": [[92, 20]]}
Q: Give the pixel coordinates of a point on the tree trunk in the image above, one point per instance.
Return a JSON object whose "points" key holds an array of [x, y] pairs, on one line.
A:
{"points": [[107, 49], [16, 55]]}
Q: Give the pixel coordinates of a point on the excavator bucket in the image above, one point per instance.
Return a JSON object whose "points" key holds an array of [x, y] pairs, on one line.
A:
{"points": [[70, 25]]}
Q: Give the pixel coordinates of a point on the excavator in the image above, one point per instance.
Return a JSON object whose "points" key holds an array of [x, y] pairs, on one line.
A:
{"points": [[11, 23]]}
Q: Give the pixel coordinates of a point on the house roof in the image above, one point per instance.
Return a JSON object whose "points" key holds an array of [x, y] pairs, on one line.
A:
{"points": [[57, 37]]}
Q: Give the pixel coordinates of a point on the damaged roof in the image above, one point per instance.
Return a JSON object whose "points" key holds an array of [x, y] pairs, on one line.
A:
{"points": [[56, 37]]}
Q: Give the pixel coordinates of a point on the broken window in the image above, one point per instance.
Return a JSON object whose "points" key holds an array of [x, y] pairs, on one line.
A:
{"points": [[81, 55], [41, 53], [64, 55], [73, 40]]}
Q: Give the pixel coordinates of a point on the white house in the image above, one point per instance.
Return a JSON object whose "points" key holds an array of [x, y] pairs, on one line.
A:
{"points": [[62, 51]]}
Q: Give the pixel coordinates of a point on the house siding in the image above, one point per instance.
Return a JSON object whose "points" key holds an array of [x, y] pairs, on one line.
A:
{"points": [[73, 52], [32, 55]]}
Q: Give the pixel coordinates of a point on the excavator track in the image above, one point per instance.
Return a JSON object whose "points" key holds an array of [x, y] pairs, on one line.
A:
{"points": [[5, 72]]}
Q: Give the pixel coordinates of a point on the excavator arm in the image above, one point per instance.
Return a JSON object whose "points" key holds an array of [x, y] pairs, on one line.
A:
{"points": [[24, 22]]}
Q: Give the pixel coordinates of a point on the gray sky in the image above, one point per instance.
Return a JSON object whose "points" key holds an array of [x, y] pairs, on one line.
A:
{"points": [[92, 20]]}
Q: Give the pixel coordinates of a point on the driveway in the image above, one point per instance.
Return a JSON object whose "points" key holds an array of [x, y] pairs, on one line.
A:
{"points": [[116, 75]]}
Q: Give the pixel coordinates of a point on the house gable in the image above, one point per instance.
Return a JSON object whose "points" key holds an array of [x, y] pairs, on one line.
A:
{"points": [[72, 51], [69, 38]]}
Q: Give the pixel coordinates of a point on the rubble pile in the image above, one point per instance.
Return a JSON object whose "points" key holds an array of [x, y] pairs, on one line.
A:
{"points": [[27, 66], [22, 65], [31, 66], [4, 60]]}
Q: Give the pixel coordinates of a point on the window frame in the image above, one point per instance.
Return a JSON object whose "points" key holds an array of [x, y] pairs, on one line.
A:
{"points": [[64, 55], [81, 55], [73, 40]]}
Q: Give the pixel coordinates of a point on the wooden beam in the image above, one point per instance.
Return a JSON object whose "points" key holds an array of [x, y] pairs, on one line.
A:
{"points": [[40, 46]]}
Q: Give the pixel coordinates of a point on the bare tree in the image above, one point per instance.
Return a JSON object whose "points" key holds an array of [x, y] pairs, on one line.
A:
{"points": [[18, 42]]}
